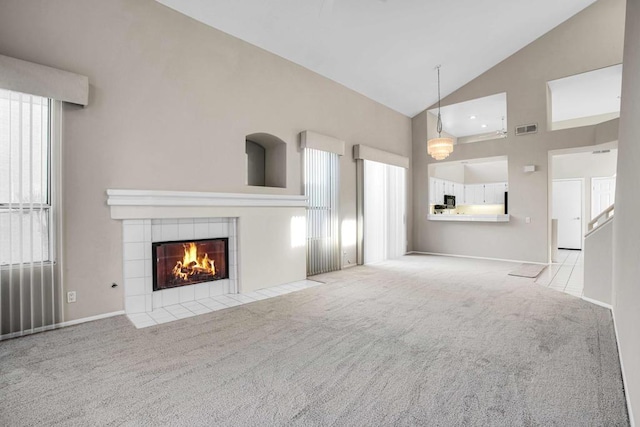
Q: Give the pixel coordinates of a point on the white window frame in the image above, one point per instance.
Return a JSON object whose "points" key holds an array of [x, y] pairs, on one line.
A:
{"points": [[53, 179]]}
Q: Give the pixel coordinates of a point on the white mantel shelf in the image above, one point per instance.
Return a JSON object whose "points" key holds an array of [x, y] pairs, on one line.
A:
{"points": [[195, 199], [470, 218]]}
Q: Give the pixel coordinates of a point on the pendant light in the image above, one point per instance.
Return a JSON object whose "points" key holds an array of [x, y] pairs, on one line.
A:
{"points": [[439, 148]]}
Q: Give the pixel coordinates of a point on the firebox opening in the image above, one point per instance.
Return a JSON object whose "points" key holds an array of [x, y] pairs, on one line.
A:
{"points": [[188, 262]]}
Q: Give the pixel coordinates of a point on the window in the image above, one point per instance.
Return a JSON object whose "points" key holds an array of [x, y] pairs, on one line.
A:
{"points": [[25, 178], [476, 120], [321, 186]]}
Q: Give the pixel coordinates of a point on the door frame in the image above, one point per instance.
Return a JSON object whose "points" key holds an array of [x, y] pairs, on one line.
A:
{"points": [[582, 203], [549, 171]]}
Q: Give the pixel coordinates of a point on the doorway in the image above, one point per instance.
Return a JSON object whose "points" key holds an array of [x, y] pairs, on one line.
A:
{"points": [[384, 231], [567, 209]]}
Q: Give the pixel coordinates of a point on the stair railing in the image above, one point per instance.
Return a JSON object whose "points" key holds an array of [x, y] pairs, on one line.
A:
{"points": [[604, 217]]}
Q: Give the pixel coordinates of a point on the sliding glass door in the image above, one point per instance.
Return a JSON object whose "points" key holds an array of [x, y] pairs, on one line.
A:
{"points": [[384, 216]]}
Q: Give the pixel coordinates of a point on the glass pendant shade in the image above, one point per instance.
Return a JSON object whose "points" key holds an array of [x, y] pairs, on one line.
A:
{"points": [[440, 148]]}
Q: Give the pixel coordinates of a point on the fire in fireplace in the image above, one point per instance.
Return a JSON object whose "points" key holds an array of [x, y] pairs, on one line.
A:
{"points": [[188, 262]]}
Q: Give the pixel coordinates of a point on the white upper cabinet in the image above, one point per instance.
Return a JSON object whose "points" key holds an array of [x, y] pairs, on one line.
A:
{"points": [[436, 191], [458, 191], [469, 194]]}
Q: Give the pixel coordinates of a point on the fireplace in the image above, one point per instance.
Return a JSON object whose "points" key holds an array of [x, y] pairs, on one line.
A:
{"points": [[187, 262]]}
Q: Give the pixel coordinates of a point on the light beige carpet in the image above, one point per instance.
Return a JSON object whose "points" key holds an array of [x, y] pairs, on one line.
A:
{"points": [[431, 341]]}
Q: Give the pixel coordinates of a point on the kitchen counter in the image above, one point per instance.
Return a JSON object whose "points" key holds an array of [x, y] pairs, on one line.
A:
{"points": [[469, 218]]}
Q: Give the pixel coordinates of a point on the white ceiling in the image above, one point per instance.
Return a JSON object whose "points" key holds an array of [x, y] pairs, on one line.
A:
{"points": [[475, 117], [387, 49], [587, 94]]}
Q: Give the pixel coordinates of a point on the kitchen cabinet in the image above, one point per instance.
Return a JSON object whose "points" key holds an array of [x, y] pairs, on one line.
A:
{"points": [[436, 191], [474, 194], [469, 194], [432, 190], [458, 191], [490, 194], [494, 193], [448, 188]]}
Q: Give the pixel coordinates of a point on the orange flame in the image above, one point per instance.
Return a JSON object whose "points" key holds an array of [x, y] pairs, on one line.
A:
{"points": [[192, 264]]}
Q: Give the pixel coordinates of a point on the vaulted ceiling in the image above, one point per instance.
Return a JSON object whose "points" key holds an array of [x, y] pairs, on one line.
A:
{"points": [[387, 49]]}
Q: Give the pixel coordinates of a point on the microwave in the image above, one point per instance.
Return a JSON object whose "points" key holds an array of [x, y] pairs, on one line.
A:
{"points": [[450, 201]]}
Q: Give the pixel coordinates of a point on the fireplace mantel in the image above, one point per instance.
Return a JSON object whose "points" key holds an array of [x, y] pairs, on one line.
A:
{"points": [[117, 198], [270, 228]]}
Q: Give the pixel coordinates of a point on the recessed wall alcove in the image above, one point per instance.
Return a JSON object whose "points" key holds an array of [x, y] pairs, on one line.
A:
{"points": [[266, 160]]}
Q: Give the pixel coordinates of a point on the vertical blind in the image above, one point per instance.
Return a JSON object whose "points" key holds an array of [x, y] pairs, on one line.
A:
{"points": [[384, 211], [28, 289], [321, 184]]}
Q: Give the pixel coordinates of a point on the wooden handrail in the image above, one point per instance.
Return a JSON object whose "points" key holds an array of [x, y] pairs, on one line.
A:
{"points": [[600, 219]]}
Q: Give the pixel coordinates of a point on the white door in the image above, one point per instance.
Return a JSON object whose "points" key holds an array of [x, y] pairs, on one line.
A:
{"points": [[603, 194], [385, 234], [567, 209]]}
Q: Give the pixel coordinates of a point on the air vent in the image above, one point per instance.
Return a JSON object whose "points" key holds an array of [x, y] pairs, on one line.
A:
{"points": [[526, 129], [601, 151]]}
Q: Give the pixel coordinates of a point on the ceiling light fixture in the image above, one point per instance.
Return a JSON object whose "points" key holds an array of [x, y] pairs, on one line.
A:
{"points": [[473, 117], [483, 126], [439, 148]]}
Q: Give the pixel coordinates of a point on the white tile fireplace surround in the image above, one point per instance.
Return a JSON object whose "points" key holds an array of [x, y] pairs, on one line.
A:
{"points": [[137, 238], [267, 254]]}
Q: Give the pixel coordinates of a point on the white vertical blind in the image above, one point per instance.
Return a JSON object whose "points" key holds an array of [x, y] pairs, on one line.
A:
{"points": [[27, 285], [321, 184], [384, 211]]}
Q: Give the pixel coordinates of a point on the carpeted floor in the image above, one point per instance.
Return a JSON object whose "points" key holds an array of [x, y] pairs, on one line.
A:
{"points": [[419, 341]]}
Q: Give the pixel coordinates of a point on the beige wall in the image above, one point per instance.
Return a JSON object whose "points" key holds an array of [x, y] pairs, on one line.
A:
{"points": [[171, 101], [626, 228], [590, 40]]}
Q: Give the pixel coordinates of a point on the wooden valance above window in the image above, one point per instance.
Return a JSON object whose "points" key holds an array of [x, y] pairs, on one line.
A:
{"points": [[318, 141], [36, 79], [363, 152]]}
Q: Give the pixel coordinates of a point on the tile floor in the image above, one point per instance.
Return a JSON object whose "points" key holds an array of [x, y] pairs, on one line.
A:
{"points": [[207, 305], [567, 275]]}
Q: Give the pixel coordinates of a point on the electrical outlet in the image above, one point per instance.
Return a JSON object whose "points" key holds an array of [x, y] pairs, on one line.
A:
{"points": [[527, 220], [71, 297]]}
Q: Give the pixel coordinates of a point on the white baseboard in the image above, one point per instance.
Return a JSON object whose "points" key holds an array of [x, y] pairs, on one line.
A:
{"points": [[60, 325], [477, 257], [349, 266], [596, 302], [91, 318], [624, 377]]}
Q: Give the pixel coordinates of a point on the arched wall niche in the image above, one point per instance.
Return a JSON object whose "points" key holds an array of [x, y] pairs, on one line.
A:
{"points": [[266, 160]]}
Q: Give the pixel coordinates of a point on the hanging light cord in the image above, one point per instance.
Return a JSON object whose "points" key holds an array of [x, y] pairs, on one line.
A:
{"points": [[439, 126]]}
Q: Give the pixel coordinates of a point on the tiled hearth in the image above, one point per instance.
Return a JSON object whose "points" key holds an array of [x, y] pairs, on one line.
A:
{"points": [[207, 305]]}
